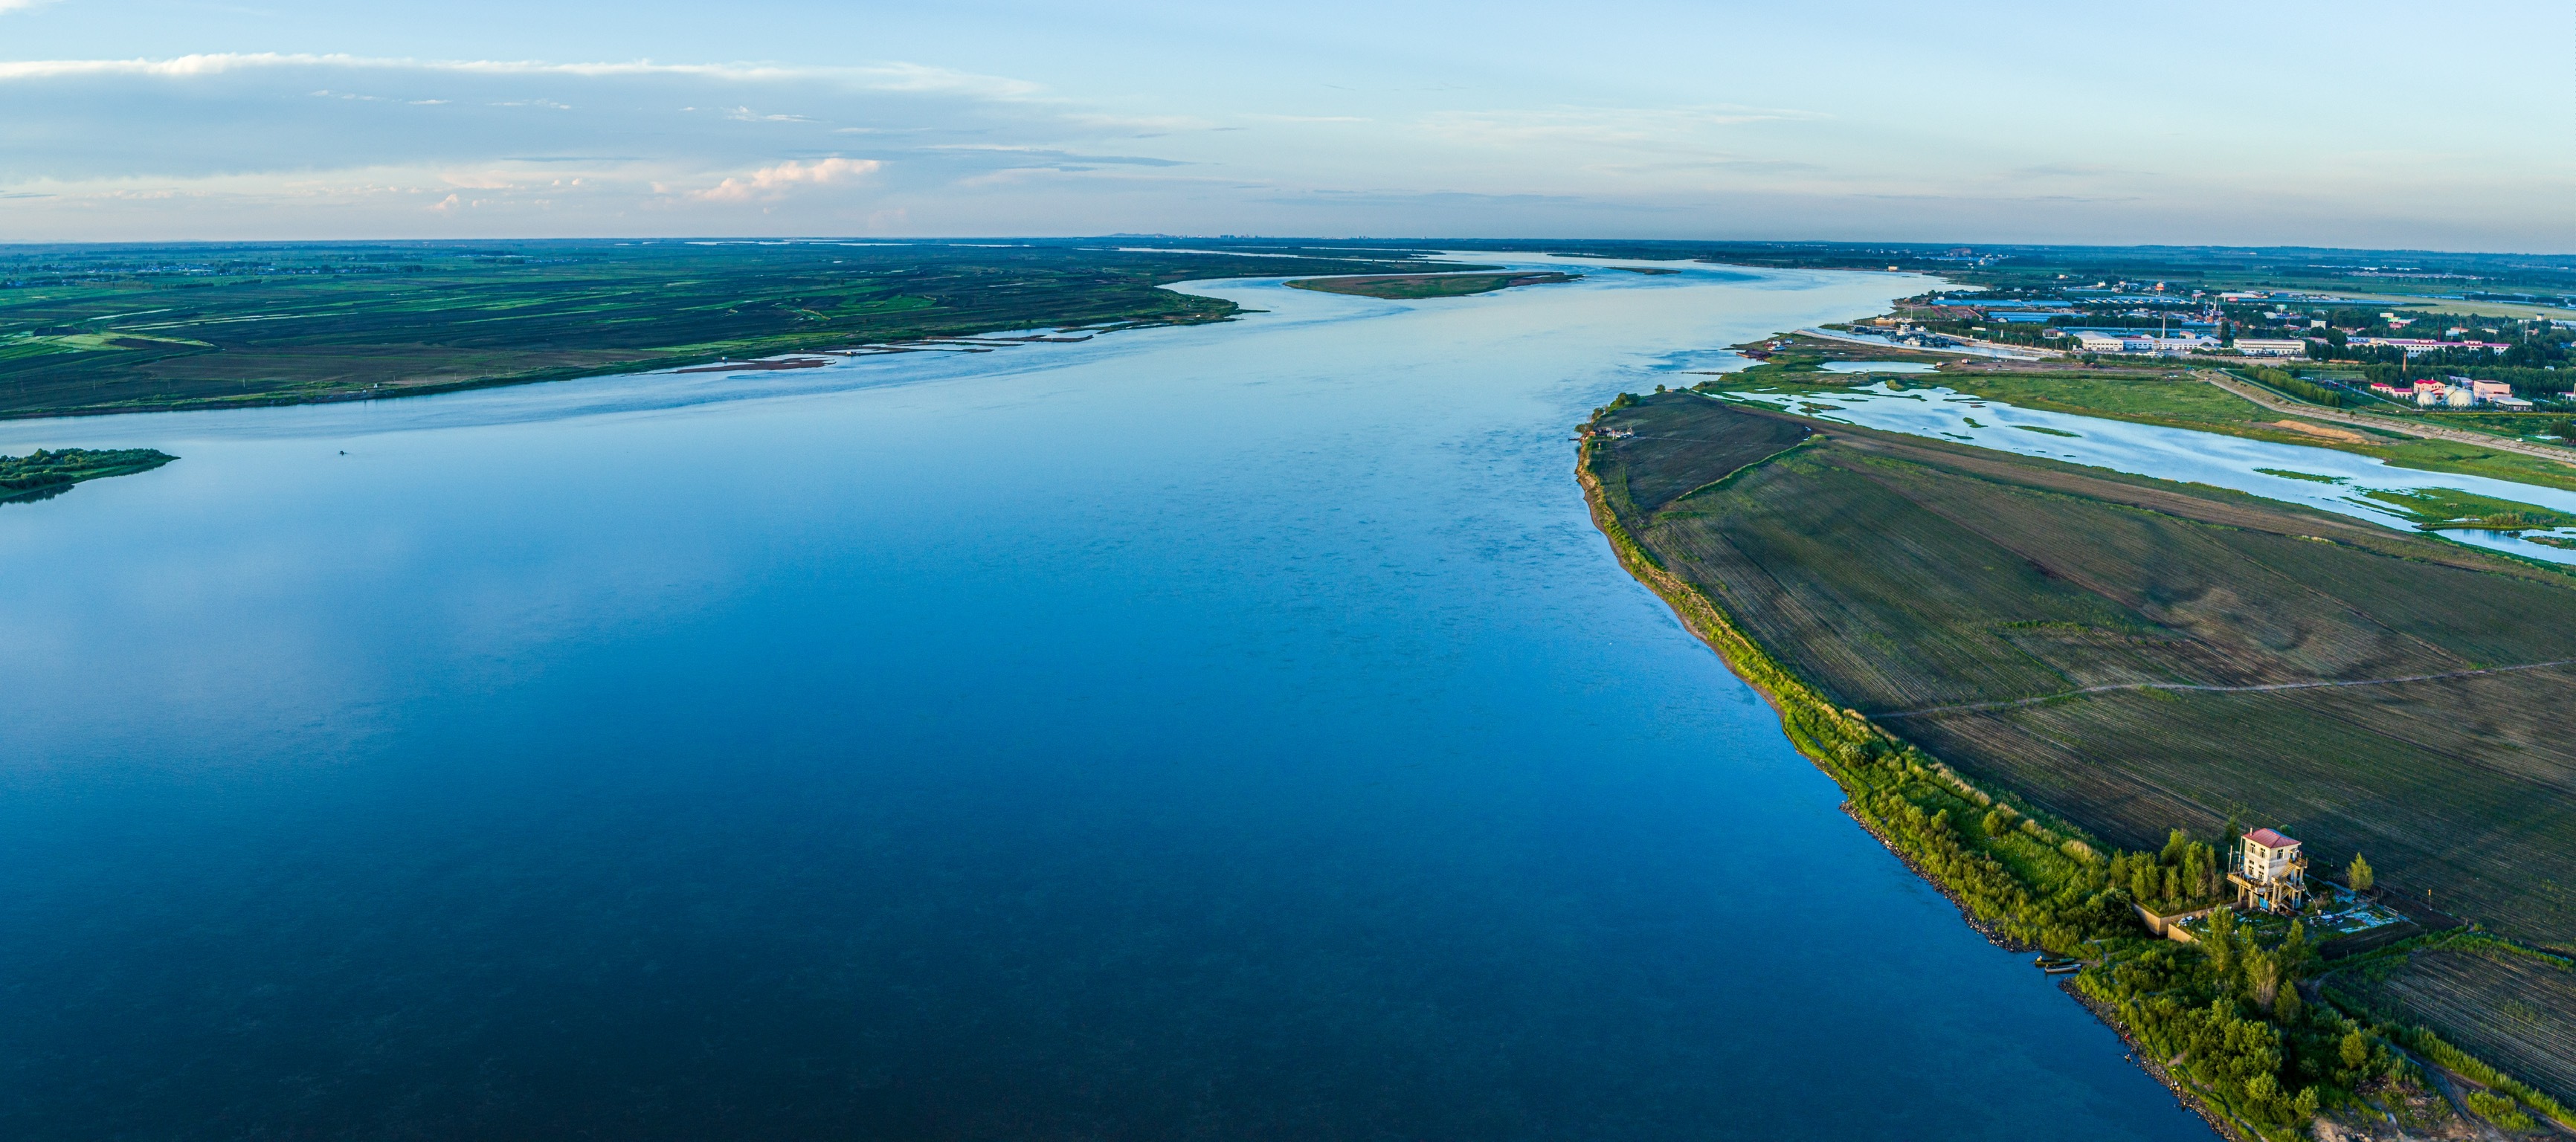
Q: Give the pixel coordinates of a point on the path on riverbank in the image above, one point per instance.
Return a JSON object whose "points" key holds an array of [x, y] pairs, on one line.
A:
{"points": [[1974, 707], [2426, 431]]}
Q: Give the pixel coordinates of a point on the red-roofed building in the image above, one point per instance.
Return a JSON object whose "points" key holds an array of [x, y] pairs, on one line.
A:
{"points": [[2271, 873]]}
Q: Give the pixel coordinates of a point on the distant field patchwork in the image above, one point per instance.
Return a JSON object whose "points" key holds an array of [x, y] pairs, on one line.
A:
{"points": [[124, 328]]}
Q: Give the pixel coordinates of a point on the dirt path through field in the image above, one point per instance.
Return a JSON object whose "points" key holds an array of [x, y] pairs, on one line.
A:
{"points": [[1975, 707], [2427, 431]]}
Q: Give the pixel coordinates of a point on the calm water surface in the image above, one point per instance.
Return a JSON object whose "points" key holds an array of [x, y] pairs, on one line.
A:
{"points": [[1210, 733]]}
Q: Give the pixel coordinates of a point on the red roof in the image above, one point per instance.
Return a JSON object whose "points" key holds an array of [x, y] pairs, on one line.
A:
{"points": [[2269, 839]]}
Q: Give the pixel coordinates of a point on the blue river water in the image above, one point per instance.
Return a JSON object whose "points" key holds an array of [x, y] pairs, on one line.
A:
{"points": [[1226, 732]]}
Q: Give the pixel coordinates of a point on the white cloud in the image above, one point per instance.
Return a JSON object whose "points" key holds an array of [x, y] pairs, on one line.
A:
{"points": [[359, 145], [219, 114], [903, 77], [775, 182], [18, 5]]}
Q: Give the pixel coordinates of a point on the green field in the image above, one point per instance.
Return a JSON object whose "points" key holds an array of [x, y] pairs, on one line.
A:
{"points": [[1412, 286], [127, 328], [2518, 425], [42, 475]]}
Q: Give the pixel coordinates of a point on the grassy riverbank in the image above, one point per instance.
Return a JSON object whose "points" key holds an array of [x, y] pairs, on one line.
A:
{"points": [[1413, 286], [97, 329], [2085, 650]]}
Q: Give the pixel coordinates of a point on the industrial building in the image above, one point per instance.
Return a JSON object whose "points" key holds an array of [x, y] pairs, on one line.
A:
{"points": [[2140, 342], [2265, 347]]}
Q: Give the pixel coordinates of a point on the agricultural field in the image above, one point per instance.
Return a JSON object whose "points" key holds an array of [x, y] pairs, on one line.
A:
{"points": [[2515, 1009], [1413, 286], [128, 328], [2101, 643]]}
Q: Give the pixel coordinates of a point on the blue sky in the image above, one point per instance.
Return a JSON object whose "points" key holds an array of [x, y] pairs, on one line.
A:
{"points": [[2442, 126]]}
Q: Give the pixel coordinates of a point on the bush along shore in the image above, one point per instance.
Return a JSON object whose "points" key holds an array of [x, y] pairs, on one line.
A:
{"points": [[2223, 1021]]}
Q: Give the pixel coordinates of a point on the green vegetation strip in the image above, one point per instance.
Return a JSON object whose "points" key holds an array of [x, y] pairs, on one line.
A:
{"points": [[45, 474], [2434, 509], [136, 328]]}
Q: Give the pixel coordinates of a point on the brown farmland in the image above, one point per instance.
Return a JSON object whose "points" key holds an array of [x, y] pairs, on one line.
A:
{"points": [[1967, 600], [2517, 1011]]}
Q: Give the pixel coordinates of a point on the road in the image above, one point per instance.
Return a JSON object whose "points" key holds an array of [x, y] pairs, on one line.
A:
{"points": [[1979, 707], [2386, 424]]}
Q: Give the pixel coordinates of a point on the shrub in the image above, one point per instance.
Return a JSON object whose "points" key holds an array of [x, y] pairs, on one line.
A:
{"points": [[2500, 1110]]}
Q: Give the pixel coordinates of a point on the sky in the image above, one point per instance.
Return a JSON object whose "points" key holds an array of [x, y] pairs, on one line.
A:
{"points": [[2244, 123]]}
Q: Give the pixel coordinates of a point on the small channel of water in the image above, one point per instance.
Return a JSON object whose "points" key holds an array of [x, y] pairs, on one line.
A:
{"points": [[2174, 454]]}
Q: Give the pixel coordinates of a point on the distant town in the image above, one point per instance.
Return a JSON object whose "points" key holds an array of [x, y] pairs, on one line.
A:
{"points": [[2406, 354]]}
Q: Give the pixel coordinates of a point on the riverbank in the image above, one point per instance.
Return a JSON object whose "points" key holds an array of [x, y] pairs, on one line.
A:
{"points": [[2222, 1125], [313, 323], [1830, 738], [1849, 531]]}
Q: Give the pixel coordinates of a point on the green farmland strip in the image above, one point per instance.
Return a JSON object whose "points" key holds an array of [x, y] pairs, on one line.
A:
{"points": [[131, 328]]}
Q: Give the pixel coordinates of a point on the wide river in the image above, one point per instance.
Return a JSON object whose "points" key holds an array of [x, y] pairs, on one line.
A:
{"points": [[1226, 732]]}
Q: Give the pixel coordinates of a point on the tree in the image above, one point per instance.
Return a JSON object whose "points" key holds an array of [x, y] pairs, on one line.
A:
{"points": [[2292, 960], [2358, 874], [2264, 972], [2306, 1105], [2355, 1049], [2221, 943]]}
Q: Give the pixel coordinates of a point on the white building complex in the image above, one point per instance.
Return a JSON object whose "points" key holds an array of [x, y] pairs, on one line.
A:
{"points": [[2264, 347], [2142, 342]]}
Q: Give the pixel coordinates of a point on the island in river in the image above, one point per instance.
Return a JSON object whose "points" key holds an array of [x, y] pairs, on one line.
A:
{"points": [[1409, 286], [2059, 692], [44, 474]]}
